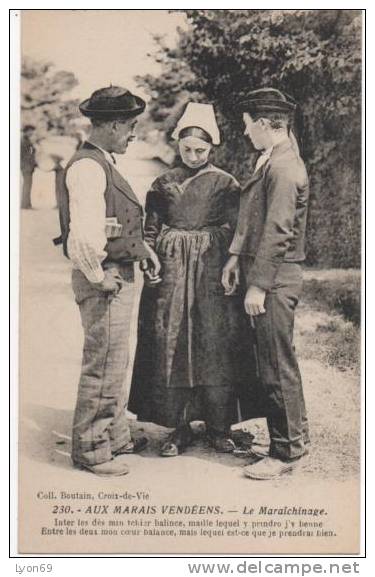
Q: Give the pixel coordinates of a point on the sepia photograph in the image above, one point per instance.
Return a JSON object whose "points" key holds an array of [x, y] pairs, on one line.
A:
{"points": [[190, 282]]}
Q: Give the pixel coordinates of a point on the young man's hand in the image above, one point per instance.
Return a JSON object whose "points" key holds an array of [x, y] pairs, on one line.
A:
{"points": [[231, 275], [254, 301], [111, 283]]}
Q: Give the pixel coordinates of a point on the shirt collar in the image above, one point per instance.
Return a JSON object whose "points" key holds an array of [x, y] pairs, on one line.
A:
{"points": [[266, 154], [107, 154], [282, 145], [267, 151], [262, 159]]}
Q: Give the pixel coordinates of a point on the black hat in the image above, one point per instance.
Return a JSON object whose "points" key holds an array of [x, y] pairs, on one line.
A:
{"points": [[112, 102], [267, 100]]}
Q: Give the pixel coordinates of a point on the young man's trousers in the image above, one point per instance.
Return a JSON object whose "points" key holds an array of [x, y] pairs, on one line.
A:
{"points": [[280, 378]]}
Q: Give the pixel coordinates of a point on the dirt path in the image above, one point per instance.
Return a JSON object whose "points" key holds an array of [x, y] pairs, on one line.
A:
{"points": [[51, 347], [51, 344]]}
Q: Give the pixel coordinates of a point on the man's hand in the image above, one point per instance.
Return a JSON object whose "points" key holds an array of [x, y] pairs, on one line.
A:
{"points": [[111, 283], [231, 275], [254, 301]]}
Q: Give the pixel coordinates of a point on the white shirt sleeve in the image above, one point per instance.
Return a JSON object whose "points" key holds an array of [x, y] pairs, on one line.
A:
{"points": [[86, 183]]}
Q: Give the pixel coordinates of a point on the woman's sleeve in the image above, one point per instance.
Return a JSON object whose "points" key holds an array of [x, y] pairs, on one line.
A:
{"points": [[154, 213], [233, 203]]}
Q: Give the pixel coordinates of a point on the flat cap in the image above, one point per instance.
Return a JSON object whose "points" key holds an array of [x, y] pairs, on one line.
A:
{"points": [[266, 100]]}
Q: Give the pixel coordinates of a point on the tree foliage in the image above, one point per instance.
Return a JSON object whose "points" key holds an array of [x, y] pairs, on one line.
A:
{"points": [[45, 101], [314, 55]]}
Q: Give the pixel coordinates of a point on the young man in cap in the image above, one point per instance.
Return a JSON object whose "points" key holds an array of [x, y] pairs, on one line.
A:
{"points": [[101, 223], [268, 247]]}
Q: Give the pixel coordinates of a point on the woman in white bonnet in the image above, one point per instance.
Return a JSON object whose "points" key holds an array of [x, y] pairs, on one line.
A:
{"points": [[189, 363]]}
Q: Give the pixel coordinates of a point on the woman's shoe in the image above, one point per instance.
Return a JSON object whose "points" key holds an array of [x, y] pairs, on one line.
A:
{"points": [[134, 446], [170, 450], [177, 442], [222, 444]]}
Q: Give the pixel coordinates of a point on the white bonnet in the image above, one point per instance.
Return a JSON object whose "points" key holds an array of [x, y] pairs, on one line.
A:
{"points": [[200, 115]]}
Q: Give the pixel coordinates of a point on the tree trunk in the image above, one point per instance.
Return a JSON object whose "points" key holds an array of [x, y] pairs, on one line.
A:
{"points": [[59, 183], [26, 189]]}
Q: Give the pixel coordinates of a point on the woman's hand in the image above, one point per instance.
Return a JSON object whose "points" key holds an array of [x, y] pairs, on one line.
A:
{"points": [[151, 267], [231, 275], [153, 257]]}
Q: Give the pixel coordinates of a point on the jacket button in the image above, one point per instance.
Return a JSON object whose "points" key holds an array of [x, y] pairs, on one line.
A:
{"points": [[133, 244]]}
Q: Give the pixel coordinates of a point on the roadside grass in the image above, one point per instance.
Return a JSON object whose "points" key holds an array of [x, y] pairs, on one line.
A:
{"points": [[334, 289], [328, 318], [327, 339]]}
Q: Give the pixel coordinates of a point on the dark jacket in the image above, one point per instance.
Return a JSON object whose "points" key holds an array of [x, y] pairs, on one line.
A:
{"points": [[121, 202], [272, 220]]}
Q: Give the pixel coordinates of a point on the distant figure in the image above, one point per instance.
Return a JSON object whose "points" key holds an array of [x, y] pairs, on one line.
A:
{"points": [[58, 169], [28, 164]]}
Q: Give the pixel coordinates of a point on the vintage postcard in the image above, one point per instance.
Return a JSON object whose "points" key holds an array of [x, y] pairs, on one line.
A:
{"points": [[183, 173]]}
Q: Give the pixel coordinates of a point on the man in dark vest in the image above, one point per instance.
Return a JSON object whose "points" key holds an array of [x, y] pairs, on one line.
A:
{"points": [[267, 248], [101, 223]]}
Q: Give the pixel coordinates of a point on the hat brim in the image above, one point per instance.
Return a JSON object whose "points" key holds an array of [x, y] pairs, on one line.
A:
{"points": [[112, 113], [260, 105]]}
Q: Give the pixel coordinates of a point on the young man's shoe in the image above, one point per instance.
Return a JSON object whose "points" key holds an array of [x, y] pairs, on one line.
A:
{"points": [[269, 468], [262, 452], [113, 468]]}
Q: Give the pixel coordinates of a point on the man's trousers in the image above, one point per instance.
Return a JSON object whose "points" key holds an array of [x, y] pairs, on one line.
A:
{"points": [[279, 375], [100, 426]]}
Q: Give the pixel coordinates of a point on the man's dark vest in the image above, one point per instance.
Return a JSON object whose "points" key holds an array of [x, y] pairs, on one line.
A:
{"points": [[121, 203]]}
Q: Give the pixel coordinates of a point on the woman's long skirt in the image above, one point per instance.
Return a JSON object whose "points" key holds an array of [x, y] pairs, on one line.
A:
{"points": [[193, 359]]}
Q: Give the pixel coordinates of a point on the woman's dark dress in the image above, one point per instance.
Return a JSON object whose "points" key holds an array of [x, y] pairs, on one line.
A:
{"points": [[190, 362]]}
